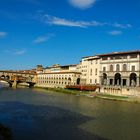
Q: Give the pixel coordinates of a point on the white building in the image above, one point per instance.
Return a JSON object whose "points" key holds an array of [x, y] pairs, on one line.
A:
{"points": [[90, 69], [120, 69], [58, 76], [113, 69]]}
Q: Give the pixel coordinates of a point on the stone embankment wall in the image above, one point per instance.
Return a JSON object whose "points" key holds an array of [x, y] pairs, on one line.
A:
{"points": [[121, 91], [49, 86]]}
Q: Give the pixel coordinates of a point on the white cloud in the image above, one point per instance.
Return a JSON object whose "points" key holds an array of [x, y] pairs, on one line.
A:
{"points": [[52, 20], [123, 26], [115, 32], [42, 39], [3, 34], [15, 52], [19, 52], [82, 4]]}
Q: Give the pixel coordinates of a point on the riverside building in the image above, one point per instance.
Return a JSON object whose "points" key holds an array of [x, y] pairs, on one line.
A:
{"points": [[90, 69], [117, 73], [58, 76], [112, 69], [117, 69], [120, 69]]}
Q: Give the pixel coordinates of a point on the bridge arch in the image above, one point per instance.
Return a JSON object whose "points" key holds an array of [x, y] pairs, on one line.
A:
{"points": [[13, 78], [2, 76], [7, 77]]}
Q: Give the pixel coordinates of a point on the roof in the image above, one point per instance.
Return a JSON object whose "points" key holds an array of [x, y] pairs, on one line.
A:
{"points": [[112, 53], [6, 71], [91, 57], [59, 66], [120, 53], [88, 56]]}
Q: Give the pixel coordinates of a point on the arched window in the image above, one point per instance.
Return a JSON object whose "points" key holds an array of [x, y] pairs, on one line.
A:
{"points": [[104, 79], [117, 79], [117, 67], [111, 67], [69, 80], [104, 69], [78, 81], [124, 67], [133, 79]]}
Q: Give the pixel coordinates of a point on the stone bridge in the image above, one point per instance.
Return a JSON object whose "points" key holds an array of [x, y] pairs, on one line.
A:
{"points": [[14, 78]]}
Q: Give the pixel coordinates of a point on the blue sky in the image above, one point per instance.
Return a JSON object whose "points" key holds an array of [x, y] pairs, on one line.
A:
{"points": [[62, 31]]}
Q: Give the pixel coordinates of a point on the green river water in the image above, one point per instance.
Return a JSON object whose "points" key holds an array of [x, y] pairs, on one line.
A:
{"points": [[34, 114]]}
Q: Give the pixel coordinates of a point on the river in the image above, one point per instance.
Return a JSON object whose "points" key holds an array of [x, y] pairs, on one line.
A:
{"points": [[34, 114]]}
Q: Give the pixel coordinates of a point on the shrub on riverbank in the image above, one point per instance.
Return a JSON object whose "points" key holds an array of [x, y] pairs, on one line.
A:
{"points": [[66, 91]]}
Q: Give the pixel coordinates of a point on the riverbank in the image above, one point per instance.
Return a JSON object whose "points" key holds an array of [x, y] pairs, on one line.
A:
{"points": [[66, 91], [105, 96], [90, 94]]}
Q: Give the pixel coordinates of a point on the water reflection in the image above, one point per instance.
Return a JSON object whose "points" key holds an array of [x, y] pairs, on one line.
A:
{"points": [[40, 115], [3, 84], [5, 133], [44, 122]]}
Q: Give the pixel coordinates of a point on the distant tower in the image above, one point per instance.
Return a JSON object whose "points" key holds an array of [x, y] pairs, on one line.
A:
{"points": [[39, 69]]}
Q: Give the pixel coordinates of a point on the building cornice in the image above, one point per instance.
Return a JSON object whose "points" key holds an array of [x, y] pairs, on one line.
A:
{"points": [[59, 73]]}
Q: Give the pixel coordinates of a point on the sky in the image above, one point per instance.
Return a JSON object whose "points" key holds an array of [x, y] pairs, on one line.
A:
{"points": [[51, 32]]}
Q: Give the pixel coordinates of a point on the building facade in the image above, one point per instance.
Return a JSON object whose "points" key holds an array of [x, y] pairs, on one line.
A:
{"points": [[113, 69], [90, 69], [120, 69], [58, 76]]}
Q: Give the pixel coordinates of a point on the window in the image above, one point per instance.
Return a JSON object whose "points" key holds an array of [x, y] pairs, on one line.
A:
{"points": [[124, 67], [96, 71], [95, 81], [133, 56], [111, 58], [96, 61], [133, 68], [105, 58], [90, 71], [117, 67], [111, 67], [104, 68], [124, 57], [118, 57], [90, 81]]}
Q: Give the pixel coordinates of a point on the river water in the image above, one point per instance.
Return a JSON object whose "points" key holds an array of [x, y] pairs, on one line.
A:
{"points": [[34, 114]]}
